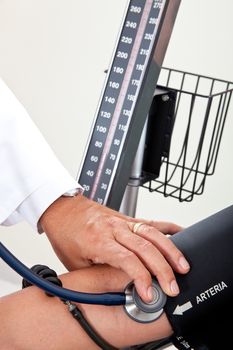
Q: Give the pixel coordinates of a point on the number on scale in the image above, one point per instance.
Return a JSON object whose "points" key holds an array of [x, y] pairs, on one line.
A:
{"points": [[90, 173], [118, 70], [104, 186], [94, 159], [126, 112], [114, 85], [101, 129], [98, 144], [140, 67], [122, 127], [135, 82], [110, 99], [131, 97], [116, 142], [108, 171], [148, 36], [112, 156], [135, 9], [122, 54], [153, 20], [144, 52], [126, 40], [86, 188], [105, 114], [130, 24], [157, 5]]}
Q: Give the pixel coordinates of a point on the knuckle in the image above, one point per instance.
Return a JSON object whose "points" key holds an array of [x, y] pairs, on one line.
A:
{"points": [[144, 276], [154, 224], [173, 250], [134, 267], [141, 242], [127, 261], [176, 253], [112, 220], [119, 234], [95, 240], [150, 230], [114, 226], [144, 245], [166, 271], [97, 260], [126, 255]]}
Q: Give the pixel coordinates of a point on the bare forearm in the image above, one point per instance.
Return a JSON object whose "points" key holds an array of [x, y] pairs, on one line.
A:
{"points": [[31, 320]]}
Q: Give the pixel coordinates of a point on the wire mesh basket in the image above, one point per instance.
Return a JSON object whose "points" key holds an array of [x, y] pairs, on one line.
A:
{"points": [[201, 107]]}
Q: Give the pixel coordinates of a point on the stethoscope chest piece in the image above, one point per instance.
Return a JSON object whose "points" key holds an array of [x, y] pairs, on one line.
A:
{"points": [[143, 312]]}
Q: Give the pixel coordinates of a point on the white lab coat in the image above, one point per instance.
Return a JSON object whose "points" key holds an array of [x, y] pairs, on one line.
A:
{"points": [[31, 177]]}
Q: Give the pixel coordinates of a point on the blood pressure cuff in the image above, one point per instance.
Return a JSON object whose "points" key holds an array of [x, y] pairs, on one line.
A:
{"points": [[198, 314]]}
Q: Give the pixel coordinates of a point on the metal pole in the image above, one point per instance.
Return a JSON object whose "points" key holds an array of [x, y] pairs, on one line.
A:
{"points": [[129, 201]]}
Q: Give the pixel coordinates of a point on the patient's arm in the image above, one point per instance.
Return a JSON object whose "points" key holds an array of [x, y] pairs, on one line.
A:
{"points": [[30, 320]]}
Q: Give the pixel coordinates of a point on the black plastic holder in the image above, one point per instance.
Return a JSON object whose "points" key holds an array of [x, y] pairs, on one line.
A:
{"points": [[199, 116]]}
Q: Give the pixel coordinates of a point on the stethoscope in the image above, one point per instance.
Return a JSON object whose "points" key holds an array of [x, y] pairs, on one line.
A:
{"points": [[135, 308]]}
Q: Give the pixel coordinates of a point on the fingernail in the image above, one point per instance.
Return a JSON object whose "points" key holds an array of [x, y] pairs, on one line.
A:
{"points": [[174, 287], [184, 263], [150, 293]]}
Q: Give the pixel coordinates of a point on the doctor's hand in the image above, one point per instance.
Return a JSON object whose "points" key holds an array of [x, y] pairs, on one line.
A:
{"points": [[83, 233]]}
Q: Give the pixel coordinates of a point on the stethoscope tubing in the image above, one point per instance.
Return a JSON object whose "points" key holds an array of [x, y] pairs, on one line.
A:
{"points": [[108, 299]]}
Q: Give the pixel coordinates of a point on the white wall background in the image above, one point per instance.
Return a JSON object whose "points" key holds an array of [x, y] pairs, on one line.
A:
{"points": [[53, 54]]}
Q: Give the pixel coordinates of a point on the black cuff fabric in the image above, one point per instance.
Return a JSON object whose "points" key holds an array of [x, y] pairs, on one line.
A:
{"points": [[198, 313]]}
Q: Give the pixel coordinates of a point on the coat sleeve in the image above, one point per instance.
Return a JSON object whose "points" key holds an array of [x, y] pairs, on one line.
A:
{"points": [[31, 176]]}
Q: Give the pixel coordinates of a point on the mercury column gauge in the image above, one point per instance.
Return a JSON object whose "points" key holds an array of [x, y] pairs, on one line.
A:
{"points": [[126, 99]]}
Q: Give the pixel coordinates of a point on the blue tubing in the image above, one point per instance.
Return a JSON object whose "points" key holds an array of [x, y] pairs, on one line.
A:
{"points": [[63, 293]]}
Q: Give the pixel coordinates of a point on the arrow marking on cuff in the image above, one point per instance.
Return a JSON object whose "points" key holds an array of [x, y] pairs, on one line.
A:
{"points": [[180, 309]]}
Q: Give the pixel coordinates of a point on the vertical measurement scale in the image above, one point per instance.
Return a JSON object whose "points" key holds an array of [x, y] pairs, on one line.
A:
{"points": [[112, 145]]}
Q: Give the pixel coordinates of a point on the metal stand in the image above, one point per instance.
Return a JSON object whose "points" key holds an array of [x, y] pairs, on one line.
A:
{"points": [[148, 159], [129, 201]]}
